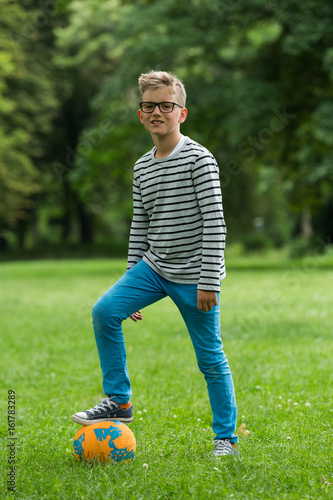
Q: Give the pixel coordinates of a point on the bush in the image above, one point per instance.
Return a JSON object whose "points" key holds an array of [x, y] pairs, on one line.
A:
{"points": [[302, 247], [257, 241]]}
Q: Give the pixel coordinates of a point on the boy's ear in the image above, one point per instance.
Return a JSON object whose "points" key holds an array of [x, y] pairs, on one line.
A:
{"points": [[140, 115], [183, 115]]}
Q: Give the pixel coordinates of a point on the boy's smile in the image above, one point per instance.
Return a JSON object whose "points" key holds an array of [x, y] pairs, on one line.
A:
{"points": [[156, 122]]}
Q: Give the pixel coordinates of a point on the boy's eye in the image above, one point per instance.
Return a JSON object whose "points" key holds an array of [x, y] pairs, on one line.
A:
{"points": [[166, 106]]}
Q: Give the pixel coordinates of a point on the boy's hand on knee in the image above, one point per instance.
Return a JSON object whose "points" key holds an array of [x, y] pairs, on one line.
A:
{"points": [[206, 300], [136, 316]]}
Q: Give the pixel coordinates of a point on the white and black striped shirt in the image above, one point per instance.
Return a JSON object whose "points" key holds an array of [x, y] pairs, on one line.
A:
{"points": [[178, 227]]}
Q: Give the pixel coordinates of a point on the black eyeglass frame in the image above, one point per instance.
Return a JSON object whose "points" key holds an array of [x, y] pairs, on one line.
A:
{"points": [[158, 104]]}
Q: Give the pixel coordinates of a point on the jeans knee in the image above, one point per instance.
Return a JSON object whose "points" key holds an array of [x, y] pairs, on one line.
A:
{"points": [[103, 315], [100, 313], [97, 311]]}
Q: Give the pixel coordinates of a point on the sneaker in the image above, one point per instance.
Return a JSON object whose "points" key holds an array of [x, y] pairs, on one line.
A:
{"points": [[106, 410], [223, 447]]}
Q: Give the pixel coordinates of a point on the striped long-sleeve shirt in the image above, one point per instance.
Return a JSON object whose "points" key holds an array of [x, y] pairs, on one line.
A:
{"points": [[178, 227]]}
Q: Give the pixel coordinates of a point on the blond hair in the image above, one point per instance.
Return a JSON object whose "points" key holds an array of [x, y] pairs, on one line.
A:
{"points": [[159, 79]]}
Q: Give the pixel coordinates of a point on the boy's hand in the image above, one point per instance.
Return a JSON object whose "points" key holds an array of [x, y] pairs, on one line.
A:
{"points": [[135, 316], [206, 300]]}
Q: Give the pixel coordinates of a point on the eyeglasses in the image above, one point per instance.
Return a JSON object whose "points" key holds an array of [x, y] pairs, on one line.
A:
{"points": [[164, 107]]}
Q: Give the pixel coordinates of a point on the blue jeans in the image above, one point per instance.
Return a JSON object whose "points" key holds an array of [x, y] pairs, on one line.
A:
{"points": [[139, 287]]}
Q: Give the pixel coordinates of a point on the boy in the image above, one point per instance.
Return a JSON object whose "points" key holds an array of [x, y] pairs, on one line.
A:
{"points": [[176, 248]]}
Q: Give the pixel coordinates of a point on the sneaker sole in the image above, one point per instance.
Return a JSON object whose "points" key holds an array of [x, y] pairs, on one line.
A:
{"points": [[232, 454], [83, 421]]}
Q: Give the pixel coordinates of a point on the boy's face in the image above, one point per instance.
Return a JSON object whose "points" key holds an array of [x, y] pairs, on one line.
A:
{"points": [[158, 123]]}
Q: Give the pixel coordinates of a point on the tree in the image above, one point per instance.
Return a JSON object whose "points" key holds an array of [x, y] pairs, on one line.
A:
{"points": [[27, 104], [259, 82], [258, 73]]}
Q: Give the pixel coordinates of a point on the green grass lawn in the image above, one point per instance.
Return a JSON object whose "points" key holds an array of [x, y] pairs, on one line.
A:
{"points": [[277, 332]]}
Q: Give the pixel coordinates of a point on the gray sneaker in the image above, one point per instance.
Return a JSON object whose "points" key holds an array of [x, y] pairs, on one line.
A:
{"points": [[223, 447], [105, 411]]}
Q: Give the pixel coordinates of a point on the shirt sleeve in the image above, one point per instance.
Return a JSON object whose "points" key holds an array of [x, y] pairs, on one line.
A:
{"points": [[138, 240], [208, 192]]}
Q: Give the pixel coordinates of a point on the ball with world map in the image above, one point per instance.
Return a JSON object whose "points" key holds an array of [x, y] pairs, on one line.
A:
{"points": [[105, 441]]}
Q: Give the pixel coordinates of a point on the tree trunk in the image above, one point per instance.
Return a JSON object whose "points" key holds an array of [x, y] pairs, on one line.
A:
{"points": [[306, 223], [86, 224], [67, 217], [21, 233]]}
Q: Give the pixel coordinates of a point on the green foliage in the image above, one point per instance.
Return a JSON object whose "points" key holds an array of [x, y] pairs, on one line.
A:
{"points": [[251, 98], [259, 84], [19, 183], [257, 241], [27, 104], [301, 247]]}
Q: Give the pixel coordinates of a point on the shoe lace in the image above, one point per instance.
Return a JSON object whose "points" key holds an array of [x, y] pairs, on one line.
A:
{"points": [[222, 447], [104, 405]]}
